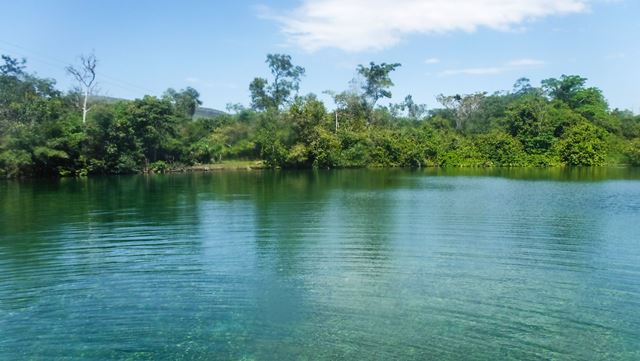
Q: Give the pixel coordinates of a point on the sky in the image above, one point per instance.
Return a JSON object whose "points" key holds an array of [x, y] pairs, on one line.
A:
{"points": [[218, 47]]}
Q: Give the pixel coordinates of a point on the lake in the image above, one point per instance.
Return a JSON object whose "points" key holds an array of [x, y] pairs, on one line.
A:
{"points": [[323, 265]]}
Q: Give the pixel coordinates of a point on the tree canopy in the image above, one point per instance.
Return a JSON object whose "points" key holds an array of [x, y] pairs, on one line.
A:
{"points": [[561, 122], [286, 80]]}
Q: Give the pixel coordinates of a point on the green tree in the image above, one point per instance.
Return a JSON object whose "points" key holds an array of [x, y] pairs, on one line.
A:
{"points": [[522, 87], [286, 81], [12, 66], [186, 101], [306, 113], [502, 149], [633, 152], [583, 145], [528, 120], [464, 108], [154, 125], [376, 81], [565, 88], [413, 111], [38, 135]]}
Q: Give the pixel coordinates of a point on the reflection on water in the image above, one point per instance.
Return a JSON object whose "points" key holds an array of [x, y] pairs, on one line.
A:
{"points": [[434, 264]]}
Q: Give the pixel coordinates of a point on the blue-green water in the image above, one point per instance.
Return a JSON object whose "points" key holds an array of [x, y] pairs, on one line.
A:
{"points": [[510, 264]]}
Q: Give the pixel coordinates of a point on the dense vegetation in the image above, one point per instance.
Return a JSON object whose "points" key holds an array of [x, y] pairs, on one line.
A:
{"points": [[562, 122]]}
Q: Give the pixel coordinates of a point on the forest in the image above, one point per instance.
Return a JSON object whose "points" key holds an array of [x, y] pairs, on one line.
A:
{"points": [[45, 131]]}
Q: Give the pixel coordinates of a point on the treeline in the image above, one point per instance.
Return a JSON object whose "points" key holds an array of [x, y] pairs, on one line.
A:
{"points": [[44, 131]]}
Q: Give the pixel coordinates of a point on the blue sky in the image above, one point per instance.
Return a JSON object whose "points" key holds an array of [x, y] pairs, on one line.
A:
{"points": [[218, 47]]}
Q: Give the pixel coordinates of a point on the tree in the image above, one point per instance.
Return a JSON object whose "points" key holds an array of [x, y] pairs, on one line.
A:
{"points": [[12, 66], [527, 120], [583, 145], [260, 98], [85, 75], [306, 113], [154, 126], [351, 109], [633, 152], [42, 133], [186, 101], [463, 106], [414, 111], [523, 86], [37, 134], [501, 148], [376, 81], [286, 80], [565, 88]]}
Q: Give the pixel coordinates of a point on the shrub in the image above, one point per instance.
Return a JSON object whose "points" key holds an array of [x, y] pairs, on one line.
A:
{"points": [[633, 152], [583, 144]]}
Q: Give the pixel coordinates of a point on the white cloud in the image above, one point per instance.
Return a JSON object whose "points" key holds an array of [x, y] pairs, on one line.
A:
{"points": [[358, 25], [474, 71], [616, 56], [432, 61], [525, 62], [517, 64]]}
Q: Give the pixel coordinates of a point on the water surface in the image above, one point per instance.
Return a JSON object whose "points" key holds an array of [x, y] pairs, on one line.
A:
{"points": [[502, 264]]}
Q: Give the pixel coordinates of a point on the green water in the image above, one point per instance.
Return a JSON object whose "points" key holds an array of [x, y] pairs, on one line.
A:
{"points": [[354, 265]]}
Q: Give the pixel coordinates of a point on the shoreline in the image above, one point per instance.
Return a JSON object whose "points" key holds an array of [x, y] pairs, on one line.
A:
{"points": [[228, 165], [258, 165]]}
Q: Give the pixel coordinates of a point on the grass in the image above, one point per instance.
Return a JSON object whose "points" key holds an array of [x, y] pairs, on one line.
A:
{"points": [[228, 165]]}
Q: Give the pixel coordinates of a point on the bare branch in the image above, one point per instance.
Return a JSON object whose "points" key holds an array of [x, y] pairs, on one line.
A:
{"points": [[85, 76]]}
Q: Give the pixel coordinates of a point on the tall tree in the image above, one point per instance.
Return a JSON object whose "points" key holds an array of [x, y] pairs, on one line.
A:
{"points": [[413, 110], [12, 66], [376, 81], [522, 86], [463, 106], [286, 80], [85, 75], [186, 101], [565, 88]]}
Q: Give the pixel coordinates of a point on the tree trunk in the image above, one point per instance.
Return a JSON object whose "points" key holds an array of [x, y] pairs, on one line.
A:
{"points": [[84, 106]]}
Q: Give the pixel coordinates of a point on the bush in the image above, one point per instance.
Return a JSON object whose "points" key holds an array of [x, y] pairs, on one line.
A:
{"points": [[297, 157], [354, 149], [464, 153], [583, 144], [633, 152], [159, 167], [325, 149], [502, 149], [15, 163]]}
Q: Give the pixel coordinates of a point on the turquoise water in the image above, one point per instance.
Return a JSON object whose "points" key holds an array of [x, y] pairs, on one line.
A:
{"points": [[368, 265]]}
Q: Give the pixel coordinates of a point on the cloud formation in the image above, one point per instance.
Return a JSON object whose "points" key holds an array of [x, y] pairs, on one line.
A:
{"points": [[359, 25], [431, 61], [517, 64]]}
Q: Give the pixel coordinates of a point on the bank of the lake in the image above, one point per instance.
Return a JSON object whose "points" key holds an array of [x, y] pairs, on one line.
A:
{"points": [[562, 122]]}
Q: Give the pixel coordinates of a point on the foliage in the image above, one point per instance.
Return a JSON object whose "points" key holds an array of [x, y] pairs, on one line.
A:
{"points": [[465, 108], [633, 152], [286, 80], [376, 81], [583, 145], [185, 101], [502, 149], [562, 122]]}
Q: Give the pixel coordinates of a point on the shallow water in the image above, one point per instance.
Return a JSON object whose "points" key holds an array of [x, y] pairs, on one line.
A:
{"points": [[459, 264]]}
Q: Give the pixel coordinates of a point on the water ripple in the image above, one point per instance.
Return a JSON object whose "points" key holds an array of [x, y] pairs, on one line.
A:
{"points": [[336, 265]]}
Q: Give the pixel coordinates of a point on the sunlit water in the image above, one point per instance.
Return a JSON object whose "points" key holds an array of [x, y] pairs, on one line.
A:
{"points": [[369, 265]]}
